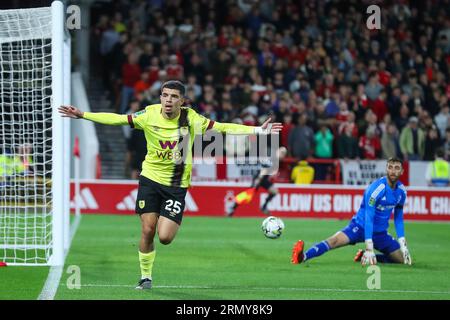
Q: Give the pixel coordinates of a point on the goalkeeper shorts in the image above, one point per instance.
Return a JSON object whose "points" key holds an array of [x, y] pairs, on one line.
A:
{"points": [[382, 241], [155, 197]]}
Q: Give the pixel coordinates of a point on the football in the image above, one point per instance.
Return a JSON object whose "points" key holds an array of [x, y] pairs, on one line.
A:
{"points": [[272, 227]]}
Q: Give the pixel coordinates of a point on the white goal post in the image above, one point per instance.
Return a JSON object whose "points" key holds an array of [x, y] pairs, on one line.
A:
{"points": [[34, 138]]}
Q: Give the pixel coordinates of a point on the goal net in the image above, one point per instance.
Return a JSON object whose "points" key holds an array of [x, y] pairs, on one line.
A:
{"points": [[32, 187]]}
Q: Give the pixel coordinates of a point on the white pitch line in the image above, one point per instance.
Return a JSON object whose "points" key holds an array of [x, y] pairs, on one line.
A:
{"points": [[51, 284], [272, 288], [54, 275]]}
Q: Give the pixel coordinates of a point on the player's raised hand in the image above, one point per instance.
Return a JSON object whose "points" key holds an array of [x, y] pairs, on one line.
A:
{"points": [[70, 112], [268, 128]]}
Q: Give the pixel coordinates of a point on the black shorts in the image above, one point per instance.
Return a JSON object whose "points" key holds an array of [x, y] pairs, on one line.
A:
{"points": [[265, 182], [155, 197]]}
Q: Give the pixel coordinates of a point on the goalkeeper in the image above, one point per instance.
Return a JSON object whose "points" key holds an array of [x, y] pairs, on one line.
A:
{"points": [[370, 224], [169, 129]]}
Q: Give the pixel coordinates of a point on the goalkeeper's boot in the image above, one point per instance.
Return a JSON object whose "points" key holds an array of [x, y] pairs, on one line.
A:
{"points": [[358, 255], [297, 252], [144, 284]]}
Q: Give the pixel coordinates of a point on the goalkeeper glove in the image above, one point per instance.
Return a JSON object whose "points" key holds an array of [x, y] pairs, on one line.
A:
{"points": [[406, 256], [369, 256]]}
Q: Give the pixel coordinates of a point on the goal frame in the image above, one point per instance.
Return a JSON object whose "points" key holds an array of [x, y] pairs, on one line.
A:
{"points": [[60, 171], [60, 136]]}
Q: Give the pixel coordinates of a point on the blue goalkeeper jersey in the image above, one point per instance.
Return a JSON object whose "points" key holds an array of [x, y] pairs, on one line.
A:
{"points": [[377, 205]]}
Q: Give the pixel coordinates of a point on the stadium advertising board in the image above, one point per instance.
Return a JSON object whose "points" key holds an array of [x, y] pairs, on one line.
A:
{"points": [[357, 173], [321, 201]]}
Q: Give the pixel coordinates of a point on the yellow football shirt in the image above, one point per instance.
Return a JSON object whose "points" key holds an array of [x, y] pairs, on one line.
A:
{"points": [[302, 174], [169, 141]]}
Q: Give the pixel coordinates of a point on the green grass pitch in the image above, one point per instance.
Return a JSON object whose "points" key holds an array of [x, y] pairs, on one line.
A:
{"points": [[229, 258]]}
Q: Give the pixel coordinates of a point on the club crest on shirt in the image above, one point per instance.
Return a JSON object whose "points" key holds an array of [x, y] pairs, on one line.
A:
{"points": [[141, 204]]}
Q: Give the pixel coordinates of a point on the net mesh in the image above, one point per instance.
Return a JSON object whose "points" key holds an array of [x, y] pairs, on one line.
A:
{"points": [[25, 136]]}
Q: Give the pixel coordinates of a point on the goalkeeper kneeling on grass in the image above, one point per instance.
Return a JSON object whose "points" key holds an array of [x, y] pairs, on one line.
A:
{"points": [[370, 224]]}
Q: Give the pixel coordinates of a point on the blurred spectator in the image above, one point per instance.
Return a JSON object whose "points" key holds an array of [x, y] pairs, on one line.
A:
{"points": [[118, 24], [23, 161], [432, 143], [302, 173], [155, 89], [301, 139], [192, 84], [146, 56], [413, 85], [142, 84], [287, 128], [174, 70], [347, 144], [371, 123], [349, 124], [131, 73], [373, 88], [412, 141], [442, 120], [343, 113], [6, 165], [447, 145], [20, 163], [438, 171], [108, 40], [402, 120], [384, 75], [370, 144], [390, 147], [331, 103], [323, 149], [379, 106], [387, 120]]}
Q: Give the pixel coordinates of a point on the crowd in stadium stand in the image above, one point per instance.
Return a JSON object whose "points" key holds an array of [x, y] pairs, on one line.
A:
{"points": [[341, 90]]}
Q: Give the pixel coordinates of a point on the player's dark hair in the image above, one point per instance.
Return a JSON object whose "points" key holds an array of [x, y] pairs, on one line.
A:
{"points": [[176, 85], [395, 159]]}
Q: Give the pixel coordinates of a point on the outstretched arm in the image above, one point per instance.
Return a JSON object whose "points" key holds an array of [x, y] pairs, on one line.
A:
{"points": [[400, 230], [398, 221], [369, 255], [233, 128], [113, 119]]}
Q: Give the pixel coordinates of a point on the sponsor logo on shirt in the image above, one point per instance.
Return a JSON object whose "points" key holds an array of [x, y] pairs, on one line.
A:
{"points": [[170, 144], [383, 208]]}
